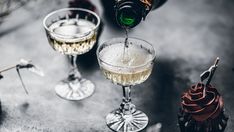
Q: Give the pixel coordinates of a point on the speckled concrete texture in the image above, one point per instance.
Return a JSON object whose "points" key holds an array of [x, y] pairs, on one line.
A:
{"points": [[187, 35]]}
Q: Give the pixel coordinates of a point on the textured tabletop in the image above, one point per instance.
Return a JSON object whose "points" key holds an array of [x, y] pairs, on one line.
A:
{"points": [[187, 35]]}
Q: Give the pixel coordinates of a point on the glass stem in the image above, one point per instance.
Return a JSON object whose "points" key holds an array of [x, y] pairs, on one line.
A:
{"points": [[73, 61], [126, 106], [126, 94], [74, 74]]}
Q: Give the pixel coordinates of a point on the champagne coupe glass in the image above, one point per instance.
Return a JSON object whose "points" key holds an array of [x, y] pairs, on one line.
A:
{"points": [[126, 66], [72, 31]]}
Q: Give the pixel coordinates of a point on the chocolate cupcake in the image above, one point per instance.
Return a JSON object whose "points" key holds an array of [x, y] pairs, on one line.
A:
{"points": [[202, 107]]}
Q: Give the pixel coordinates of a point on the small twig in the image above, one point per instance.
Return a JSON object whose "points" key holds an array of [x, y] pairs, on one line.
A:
{"points": [[8, 68], [21, 80], [23, 65], [212, 70], [209, 74]]}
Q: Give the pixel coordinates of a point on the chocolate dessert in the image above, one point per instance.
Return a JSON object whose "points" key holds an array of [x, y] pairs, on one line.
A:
{"points": [[202, 107]]}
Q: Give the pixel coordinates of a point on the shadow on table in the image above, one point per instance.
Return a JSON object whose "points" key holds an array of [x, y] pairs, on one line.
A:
{"points": [[3, 116], [88, 63], [11, 29], [162, 97]]}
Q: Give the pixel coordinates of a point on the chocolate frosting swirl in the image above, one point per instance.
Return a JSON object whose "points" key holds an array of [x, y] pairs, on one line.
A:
{"points": [[202, 104]]}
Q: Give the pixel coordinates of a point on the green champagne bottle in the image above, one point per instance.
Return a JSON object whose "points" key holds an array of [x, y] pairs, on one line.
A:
{"points": [[129, 13]]}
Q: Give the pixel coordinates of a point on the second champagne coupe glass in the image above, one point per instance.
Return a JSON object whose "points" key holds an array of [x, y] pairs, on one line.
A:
{"points": [[126, 65], [72, 31]]}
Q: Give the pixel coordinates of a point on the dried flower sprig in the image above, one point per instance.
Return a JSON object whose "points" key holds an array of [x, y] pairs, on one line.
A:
{"points": [[208, 74], [24, 64]]}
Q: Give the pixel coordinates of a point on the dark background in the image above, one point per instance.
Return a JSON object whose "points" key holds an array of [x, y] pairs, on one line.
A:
{"points": [[187, 34]]}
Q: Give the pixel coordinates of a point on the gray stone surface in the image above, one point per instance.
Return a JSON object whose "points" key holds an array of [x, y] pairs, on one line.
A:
{"points": [[187, 35]]}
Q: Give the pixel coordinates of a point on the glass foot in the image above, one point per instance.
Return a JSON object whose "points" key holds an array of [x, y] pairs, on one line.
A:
{"points": [[134, 122], [75, 89]]}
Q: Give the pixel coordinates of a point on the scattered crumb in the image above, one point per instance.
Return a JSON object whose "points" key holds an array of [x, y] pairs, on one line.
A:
{"points": [[24, 107]]}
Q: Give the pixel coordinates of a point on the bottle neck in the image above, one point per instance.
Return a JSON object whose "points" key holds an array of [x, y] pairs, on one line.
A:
{"points": [[129, 13], [154, 4]]}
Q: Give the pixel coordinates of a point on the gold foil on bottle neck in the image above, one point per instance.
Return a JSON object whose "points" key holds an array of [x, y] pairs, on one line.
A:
{"points": [[148, 3]]}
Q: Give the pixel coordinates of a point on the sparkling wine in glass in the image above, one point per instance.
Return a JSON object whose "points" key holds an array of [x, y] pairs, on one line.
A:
{"points": [[126, 66], [72, 31]]}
